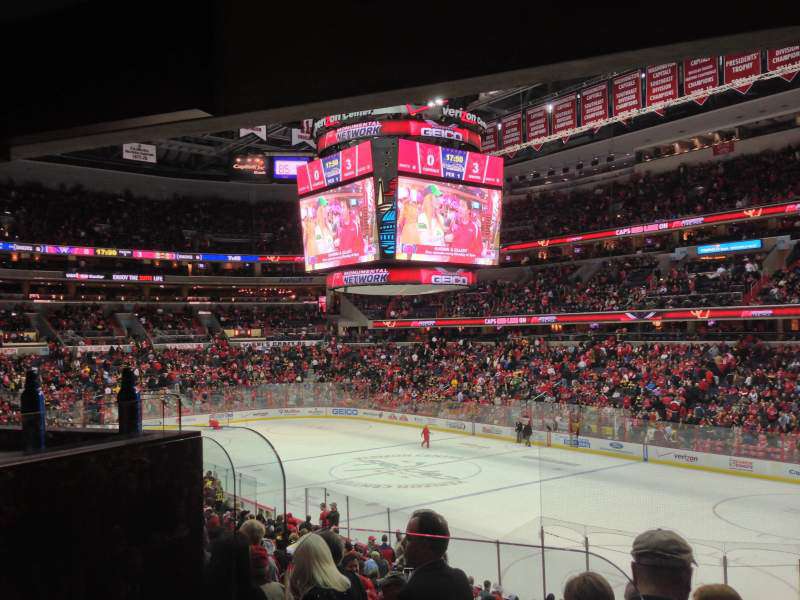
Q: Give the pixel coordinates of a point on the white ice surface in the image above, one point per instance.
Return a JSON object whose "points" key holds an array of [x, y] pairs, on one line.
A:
{"points": [[495, 490]]}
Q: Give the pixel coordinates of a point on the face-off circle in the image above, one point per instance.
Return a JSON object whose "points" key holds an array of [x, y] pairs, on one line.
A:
{"points": [[405, 471]]}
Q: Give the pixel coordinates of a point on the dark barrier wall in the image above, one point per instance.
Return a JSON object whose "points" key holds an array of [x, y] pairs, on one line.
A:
{"points": [[119, 519]]}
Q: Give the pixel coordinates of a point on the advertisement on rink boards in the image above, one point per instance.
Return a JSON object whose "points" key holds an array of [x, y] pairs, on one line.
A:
{"points": [[671, 456]]}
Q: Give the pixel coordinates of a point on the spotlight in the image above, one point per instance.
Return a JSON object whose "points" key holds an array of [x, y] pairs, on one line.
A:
{"points": [[550, 108]]}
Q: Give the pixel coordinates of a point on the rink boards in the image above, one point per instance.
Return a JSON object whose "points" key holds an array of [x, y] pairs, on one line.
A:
{"points": [[687, 459]]}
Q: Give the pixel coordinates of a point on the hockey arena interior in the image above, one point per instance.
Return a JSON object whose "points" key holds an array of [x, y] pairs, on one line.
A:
{"points": [[532, 341]]}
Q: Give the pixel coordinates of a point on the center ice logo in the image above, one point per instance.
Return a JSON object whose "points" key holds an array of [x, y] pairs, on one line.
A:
{"points": [[405, 471]]}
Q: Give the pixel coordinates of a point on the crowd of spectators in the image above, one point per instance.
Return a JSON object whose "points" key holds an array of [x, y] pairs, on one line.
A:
{"points": [[170, 324], [750, 386], [76, 216], [750, 180], [15, 326], [632, 282], [79, 323], [283, 321], [264, 556]]}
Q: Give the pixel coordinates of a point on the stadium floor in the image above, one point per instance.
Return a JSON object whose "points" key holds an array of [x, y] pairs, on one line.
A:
{"points": [[490, 490]]}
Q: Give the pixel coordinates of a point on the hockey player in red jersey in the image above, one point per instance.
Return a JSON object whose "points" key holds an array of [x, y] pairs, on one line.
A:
{"points": [[426, 437]]}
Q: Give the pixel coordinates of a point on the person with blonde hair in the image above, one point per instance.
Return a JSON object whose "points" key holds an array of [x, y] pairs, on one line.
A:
{"points": [[314, 575], [588, 586], [716, 591]]}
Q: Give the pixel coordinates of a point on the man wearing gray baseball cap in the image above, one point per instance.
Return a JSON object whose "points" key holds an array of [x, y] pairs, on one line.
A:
{"points": [[662, 565]]}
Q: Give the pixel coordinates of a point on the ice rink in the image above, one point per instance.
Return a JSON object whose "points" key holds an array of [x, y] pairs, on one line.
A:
{"points": [[497, 490]]}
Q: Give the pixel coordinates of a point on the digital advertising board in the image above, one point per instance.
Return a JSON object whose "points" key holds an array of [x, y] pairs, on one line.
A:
{"points": [[447, 222], [339, 227], [448, 163], [285, 167]]}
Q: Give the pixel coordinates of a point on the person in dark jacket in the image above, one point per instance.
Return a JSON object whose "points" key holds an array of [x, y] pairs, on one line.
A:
{"points": [[527, 431], [333, 516], [518, 429], [428, 536]]}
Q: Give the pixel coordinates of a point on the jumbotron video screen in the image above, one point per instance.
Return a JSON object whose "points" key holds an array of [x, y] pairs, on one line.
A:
{"points": [[339, 226], [447, 222]]}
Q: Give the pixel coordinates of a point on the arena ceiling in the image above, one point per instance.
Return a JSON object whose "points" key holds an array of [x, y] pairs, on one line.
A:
{"points": [[89, 76]]}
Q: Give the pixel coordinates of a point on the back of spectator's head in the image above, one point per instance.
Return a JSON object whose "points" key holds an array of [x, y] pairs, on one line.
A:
{"points": [[662, 564], [588, 586], [391, 585], [335, 544], [716, 591], [427, 537], [487, 585], [253, 531], [384, 538], [314, 567]]}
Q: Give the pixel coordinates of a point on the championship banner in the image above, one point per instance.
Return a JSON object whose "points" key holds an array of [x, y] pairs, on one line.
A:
{"points": [[661, 85], [565, 116], [594, 104], [259, 130], [699, 75], [784, 58], [536, 124], [304, 134], [626, 94], [511, 130], [736, 67], [489, 139]]}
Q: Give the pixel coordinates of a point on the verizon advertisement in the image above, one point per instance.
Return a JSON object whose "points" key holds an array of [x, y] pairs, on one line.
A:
{"points": [[339, 226], [594, 104], [787, 59], [737, 68], [350, 163], [700, 75], [537, 124], [626, 94], [511, 129], [447, 163], [661, 226], [447, 222], [661, 85], [388, 276], [565, 116]]}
